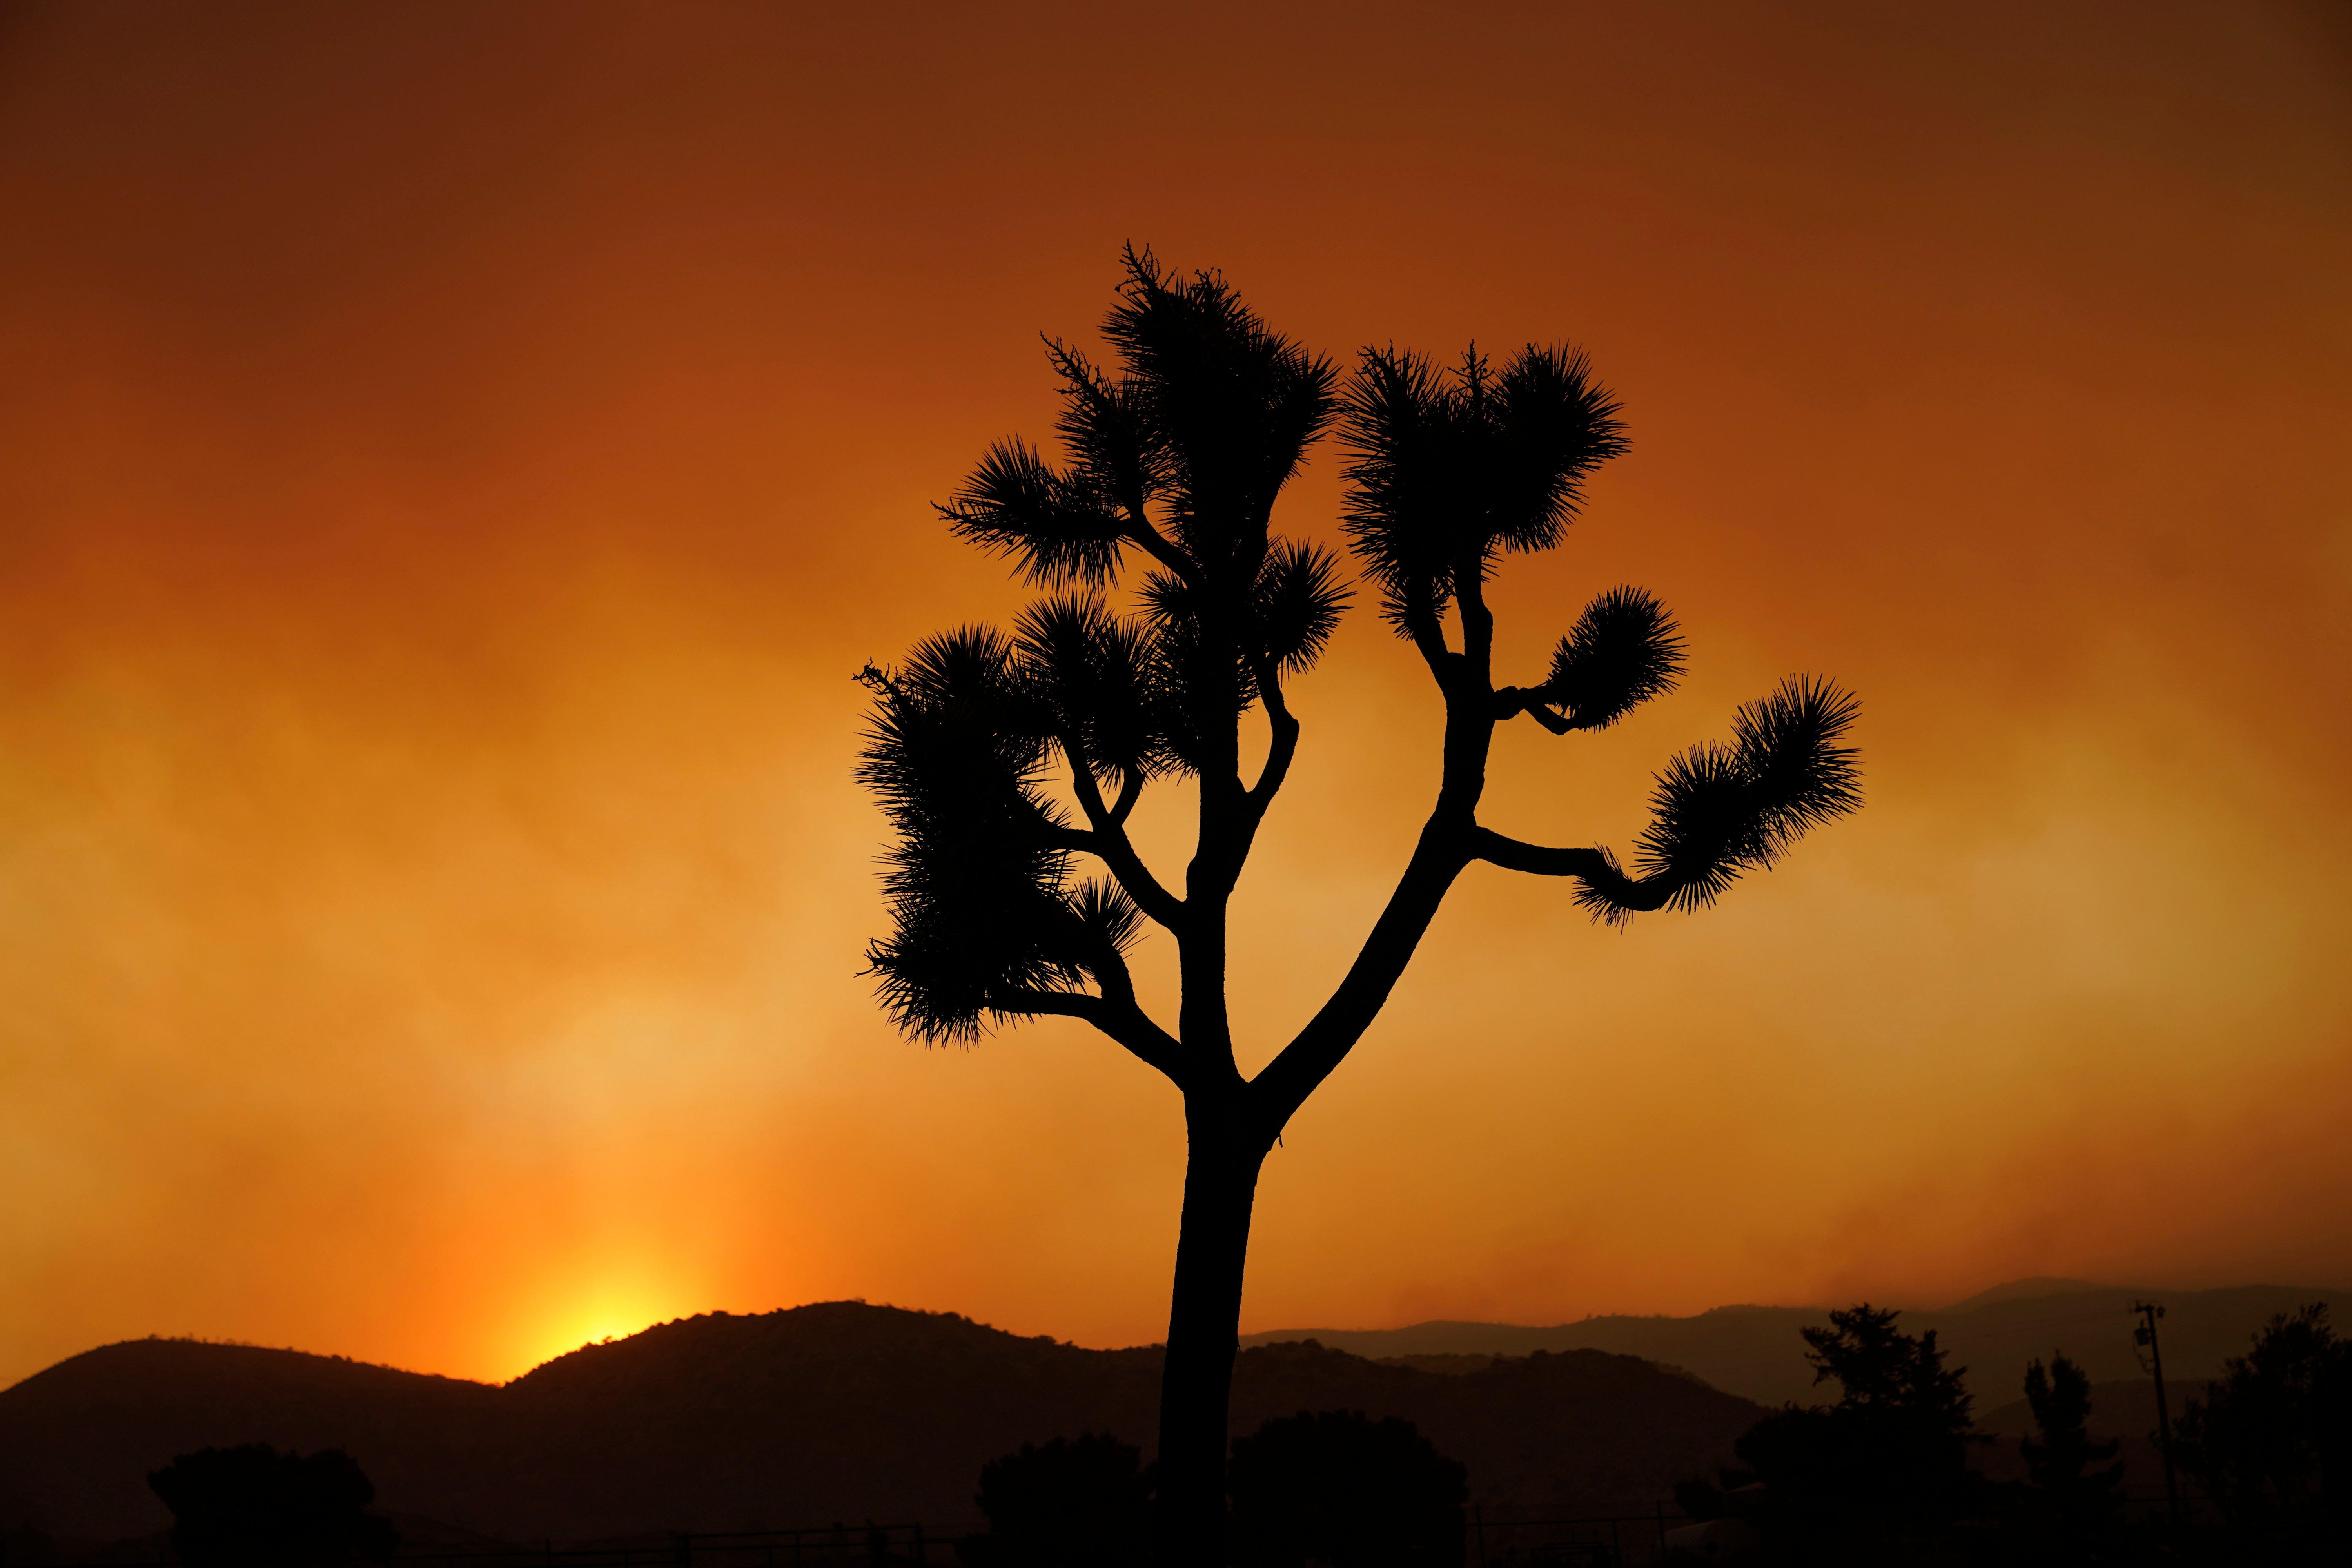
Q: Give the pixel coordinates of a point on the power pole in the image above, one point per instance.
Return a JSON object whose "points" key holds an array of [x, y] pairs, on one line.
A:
{"points": [[2146, 1335]]}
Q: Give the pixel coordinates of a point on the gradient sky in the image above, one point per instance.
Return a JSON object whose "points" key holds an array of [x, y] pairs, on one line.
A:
{"points": [[454, 457]]}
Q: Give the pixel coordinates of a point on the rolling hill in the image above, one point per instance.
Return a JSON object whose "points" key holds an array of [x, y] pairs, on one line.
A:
{"points": [[834, 1412]]}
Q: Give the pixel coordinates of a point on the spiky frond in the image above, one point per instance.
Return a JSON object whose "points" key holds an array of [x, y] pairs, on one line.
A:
{"points": [[1719, 811], [1621, 652], [1092, 675], [1062, 527], [1399, 425], [1234, 405], [1297, 607], [1789, 747], [1552, 424], [1108, 915], [1449, 469], [1194, 689], [1107, 431], [974, 883]]}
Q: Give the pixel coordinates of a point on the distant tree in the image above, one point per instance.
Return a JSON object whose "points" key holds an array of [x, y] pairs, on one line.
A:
{"points": [[253, 1507], [1338, 1488], [2074, 1492], [2270, 1441], [1002, 760], [1072, 1502], [1888, 1460]]}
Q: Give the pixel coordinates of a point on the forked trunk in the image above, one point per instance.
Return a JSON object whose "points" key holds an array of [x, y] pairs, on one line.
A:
{"points": [[1203, 1332]]}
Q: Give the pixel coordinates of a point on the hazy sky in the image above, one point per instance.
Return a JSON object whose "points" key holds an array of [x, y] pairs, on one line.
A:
{"points": [[454, 457]]}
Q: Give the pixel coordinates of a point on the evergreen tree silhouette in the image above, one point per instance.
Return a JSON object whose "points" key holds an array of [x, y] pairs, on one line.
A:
{"points": [[1888, 1461], [2077, 1492], [1172, 612]]}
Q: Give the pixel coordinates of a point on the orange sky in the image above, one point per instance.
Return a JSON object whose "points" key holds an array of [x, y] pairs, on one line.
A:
{"points": [[454, 457]]}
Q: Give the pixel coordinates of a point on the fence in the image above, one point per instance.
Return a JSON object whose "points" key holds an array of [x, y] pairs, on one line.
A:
{"points": [[1491, 1540], [880, 1546], [1499, 1540]]}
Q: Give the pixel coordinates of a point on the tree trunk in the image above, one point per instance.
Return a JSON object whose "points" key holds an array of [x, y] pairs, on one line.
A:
{"points": [[1203, 1332]]}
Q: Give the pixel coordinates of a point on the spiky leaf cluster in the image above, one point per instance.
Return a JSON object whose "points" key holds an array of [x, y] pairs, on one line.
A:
{"points": [[1206, 416], [1177, 449], [1064, 526], [1095, 683], [978, 880], [1451, 468], [1215, 650], [1718, 811], [1228, 408], [1621, 652]]}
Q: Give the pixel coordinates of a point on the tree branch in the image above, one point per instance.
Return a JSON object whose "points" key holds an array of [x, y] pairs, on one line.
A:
{"points": [[1130, 790], [1108, 842], [1281, 748], [1117, 1016], [1141, 533], [1439, 856], [1590, 867], [1511, 701], [1477, 620], [1429, 636], [1286, 1082]]}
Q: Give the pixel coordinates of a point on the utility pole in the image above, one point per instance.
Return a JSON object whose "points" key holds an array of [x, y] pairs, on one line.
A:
{"points": [[2146, 1335]]}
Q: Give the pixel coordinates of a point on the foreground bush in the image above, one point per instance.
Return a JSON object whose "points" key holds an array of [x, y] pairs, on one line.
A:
{"points": [[253, 1507], [1344, 1491]]}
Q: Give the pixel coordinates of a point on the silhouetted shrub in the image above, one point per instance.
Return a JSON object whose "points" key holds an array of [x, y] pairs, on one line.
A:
{"points": [[1074, 1503], [253, 1507], [1339, 1489], [2272, 1439]]}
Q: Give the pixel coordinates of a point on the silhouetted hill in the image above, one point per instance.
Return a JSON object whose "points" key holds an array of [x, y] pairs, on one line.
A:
{"points": [[1581, 1432], [1756, 1352], [1752, 1351], [2039, 1288], [76, 1440], [840, 1411]]}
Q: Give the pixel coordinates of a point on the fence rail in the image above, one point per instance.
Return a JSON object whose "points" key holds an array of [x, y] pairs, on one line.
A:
{"points": [[1490, 1539], [1592, 1540], [891, 1545]]}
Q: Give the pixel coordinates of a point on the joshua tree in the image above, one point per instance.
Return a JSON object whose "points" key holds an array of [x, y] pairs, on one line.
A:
{"points": [[1004, 760]]}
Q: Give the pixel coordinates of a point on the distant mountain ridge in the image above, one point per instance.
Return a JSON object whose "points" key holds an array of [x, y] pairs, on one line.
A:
{"points": [[838, 1411], [1756, 1352]]}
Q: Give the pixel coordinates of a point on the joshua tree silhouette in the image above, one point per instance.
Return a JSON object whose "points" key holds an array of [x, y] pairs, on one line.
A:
{"points": [[1175, 456]]}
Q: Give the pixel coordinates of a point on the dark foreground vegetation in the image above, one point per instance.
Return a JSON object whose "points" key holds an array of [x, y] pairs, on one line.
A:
{"points": [[253, 1507], [1887, 1474], [2262, 1461]]}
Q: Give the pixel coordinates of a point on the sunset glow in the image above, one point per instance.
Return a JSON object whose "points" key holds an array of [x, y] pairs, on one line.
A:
{"points": [[455, 458]]}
